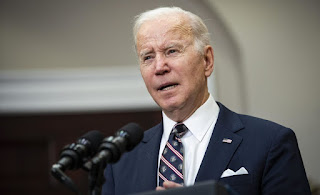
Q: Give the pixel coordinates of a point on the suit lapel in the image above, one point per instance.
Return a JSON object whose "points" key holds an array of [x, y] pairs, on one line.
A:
{"points": [[219, 153], [148, 157]]}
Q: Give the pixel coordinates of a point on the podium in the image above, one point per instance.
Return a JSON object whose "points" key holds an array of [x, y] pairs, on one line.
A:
{"points": [[203, 188]]}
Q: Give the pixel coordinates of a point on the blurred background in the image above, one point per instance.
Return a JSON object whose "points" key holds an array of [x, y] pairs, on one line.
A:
{"points": [[68, 67]]}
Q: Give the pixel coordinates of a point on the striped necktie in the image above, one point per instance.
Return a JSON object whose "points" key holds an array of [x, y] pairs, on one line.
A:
{"points": [[171, 161]]}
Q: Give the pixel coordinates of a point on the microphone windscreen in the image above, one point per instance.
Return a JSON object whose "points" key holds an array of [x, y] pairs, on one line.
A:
{"points": [[135, 133], [95, 138]]}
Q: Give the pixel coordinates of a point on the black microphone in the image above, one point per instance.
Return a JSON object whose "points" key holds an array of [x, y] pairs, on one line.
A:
{"points": [[124, 140], [74, 155]]}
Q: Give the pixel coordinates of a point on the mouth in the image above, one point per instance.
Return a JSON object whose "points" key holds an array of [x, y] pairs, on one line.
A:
{"points": [[167, 87]]}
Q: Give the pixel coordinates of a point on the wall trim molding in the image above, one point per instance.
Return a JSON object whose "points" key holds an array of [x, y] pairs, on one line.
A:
{"points": [[70, 90]]}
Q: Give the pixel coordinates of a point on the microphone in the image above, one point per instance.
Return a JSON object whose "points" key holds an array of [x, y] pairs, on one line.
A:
{"points": [[124, 140], [74, 155]]}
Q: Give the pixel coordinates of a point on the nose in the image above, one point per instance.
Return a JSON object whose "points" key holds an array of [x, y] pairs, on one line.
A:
{"points": [[161, 65]]}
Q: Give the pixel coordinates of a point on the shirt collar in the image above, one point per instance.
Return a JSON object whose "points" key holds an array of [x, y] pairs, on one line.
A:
{"points": [[199, 122]]}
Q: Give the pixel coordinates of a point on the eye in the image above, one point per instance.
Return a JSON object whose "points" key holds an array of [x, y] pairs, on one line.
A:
{"points": [[170, 51], [147, 58]]}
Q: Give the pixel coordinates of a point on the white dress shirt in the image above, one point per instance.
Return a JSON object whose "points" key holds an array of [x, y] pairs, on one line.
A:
{"points": [[195, 142]]}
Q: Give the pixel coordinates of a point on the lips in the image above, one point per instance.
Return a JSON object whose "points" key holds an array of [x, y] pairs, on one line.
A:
{"points": [[167, 86]]}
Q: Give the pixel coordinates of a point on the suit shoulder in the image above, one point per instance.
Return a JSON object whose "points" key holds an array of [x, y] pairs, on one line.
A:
{"points": [[247, 121], [265, 128], [260, 122]]}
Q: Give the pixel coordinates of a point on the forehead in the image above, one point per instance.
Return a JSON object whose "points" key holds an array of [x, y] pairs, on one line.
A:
{"points": [[160, 31]]}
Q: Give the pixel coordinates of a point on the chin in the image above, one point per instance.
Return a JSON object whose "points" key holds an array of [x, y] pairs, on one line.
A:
{"points": [[170, 104], [170, 107]]}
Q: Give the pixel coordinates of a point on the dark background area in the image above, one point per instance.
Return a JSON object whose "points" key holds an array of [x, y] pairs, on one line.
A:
{"points": [[30, 145]]}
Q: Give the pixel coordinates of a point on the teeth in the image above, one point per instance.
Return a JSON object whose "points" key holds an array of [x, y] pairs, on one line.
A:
{"points": [[168, 87]]}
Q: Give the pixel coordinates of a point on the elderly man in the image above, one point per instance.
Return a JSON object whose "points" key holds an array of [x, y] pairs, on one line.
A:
{"points": [[199, 139]]}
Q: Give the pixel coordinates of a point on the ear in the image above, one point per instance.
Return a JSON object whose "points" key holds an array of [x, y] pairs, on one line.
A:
{"points": [[209, 60]]}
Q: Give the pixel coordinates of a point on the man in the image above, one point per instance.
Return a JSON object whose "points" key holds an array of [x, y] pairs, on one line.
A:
{"points": [[209, 142]]}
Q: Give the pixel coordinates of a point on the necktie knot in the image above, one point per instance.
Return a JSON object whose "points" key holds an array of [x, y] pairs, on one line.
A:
{"points": [[179, 130]]}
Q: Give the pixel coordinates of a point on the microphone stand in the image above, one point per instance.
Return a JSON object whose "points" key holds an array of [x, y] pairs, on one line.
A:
{"points": [[96, 177], [96, 174]]}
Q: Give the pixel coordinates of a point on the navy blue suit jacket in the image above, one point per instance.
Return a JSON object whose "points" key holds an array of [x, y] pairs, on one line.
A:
{"points": [[268, 151]]}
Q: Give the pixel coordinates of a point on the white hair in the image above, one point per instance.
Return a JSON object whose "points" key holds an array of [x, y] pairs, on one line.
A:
{"points": [[199, 29]]}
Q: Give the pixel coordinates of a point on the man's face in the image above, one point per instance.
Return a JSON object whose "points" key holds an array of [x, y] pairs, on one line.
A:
{"points": [[173, 71]]}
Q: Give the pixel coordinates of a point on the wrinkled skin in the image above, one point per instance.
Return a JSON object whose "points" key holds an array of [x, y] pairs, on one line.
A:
{"points": [[174, 72]]}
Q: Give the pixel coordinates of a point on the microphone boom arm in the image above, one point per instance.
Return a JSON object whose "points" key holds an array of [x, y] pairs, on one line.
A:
{"points": [[63, 178]]}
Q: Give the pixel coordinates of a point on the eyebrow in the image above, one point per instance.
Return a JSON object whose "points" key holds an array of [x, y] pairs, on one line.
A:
{"points": [[146, 52], [174, 45], [171, 45]]}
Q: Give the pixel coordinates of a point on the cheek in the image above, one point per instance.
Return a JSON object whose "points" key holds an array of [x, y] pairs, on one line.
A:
{"points": [[195, 76], [144, 73], [147, 78]]}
